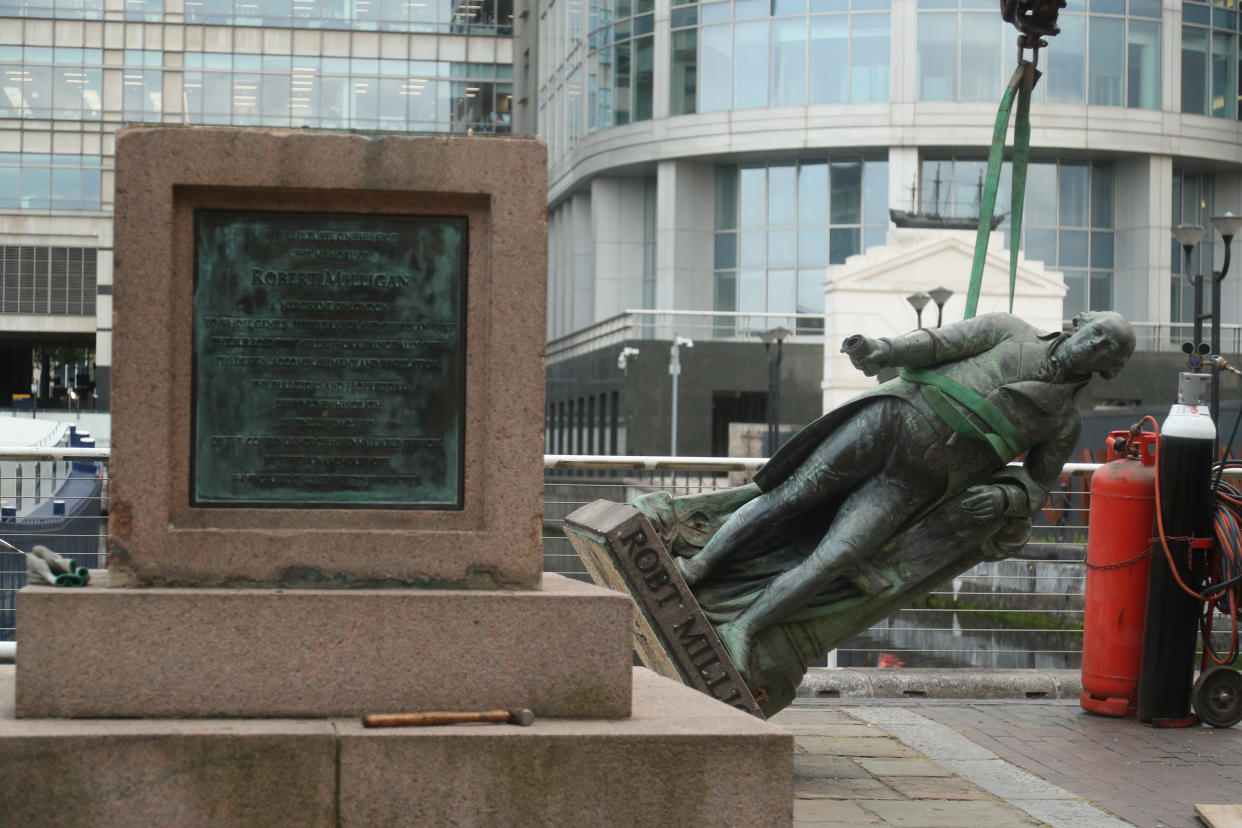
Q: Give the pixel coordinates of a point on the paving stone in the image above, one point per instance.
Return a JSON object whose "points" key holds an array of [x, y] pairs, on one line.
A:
{"points": [[1148, 776], [1069, 813], [934, 787], [881, 745], [830, 788], [903, 767], [924, 813], [832, 811], [887, 715], [1005, 780], [936, 741], [818, 716], [833, 729], [833, 767]]}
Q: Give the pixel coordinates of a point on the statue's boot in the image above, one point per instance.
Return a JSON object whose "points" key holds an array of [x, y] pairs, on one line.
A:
{"points": [[747, 523]]}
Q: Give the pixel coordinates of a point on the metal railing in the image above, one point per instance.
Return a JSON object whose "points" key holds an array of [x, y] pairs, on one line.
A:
{"points": [[805, 327], [1025, 611], [666, 324]]}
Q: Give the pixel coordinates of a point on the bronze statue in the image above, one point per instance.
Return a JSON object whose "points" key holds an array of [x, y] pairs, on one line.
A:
{"points": [[884, 498]]}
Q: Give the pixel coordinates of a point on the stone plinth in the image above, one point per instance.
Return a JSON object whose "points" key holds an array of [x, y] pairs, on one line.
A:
{"points": [[682, 759], [167, 175], [184, 652]]}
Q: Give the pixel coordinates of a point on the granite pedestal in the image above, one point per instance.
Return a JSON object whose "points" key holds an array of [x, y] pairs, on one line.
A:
{"points": [[238, 624], [681, 759]]}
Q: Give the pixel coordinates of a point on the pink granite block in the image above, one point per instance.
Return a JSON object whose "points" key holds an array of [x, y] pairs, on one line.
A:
{"points": [[208, 773], [193, 652], [682, 760], [164, 174]]}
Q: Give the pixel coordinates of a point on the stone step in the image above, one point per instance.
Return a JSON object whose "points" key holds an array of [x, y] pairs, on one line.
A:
{"points": [[95, 652], [680, 759]]}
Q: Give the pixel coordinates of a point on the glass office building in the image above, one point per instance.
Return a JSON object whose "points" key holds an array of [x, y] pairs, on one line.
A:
{"points": [[71, 73], [718, 156]]}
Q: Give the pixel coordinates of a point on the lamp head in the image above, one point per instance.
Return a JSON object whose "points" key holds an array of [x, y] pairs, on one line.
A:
{"points": [[1227, 224], [1188, 235], [918, 300], [940, 295], [773, 335]]}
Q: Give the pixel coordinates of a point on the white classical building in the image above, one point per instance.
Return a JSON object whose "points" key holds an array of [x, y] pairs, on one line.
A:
{"points": [[720, 156]]}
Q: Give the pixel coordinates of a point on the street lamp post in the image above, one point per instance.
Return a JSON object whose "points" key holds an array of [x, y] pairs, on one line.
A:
{"points": [[1227, 224], [918, 301], [1189, 235], [674, 369], [940, 295], [775, 335]]}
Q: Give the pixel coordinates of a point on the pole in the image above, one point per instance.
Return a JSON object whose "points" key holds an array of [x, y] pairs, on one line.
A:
{"points": [[1215, 403], [774, 392], [674, 368]]}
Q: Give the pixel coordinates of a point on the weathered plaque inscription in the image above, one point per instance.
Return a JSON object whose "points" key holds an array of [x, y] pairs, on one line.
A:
{"points": [[329, 364]]}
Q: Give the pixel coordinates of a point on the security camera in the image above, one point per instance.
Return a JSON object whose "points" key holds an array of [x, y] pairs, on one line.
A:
{"points": [[623, 358]]}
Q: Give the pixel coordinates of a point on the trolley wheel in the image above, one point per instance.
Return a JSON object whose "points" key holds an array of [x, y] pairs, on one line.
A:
{"points": [[1217, 697]]}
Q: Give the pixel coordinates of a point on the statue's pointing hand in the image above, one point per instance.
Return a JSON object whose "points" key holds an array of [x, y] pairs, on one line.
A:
{"points": [[868, 355], [984, 503]]}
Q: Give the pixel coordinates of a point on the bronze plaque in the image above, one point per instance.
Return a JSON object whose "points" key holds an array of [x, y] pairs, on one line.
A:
{"points": [[329, 360]]}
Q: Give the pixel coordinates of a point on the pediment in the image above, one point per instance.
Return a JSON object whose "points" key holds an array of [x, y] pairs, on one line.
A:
{"points": [[914, 260]]}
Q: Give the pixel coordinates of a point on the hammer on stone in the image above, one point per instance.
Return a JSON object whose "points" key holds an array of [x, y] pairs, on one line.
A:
{"points": [[518, 716]]}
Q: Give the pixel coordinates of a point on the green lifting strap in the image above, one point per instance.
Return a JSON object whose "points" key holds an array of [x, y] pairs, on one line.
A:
{"points": [[1006, 440], [1021, 84]]}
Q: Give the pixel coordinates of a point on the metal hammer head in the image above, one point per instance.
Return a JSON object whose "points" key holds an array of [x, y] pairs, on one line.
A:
{"points": [[521, 716]]}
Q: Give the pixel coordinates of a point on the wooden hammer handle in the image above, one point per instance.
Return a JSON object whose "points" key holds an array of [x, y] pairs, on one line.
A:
{"points": [[434, 718]]}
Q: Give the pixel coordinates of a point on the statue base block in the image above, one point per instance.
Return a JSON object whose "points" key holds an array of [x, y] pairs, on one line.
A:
{"points": [[95, 652], [623, 551], [681, 759]]}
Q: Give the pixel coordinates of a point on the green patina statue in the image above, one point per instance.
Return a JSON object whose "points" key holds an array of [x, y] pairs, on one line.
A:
{"points": [[886, 497]]}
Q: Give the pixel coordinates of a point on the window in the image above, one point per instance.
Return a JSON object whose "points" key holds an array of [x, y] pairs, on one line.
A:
{"points": [[1106, 58], [1210, 60], [31, 181], [748, 55], [1067, 218], [778, 227], [340, 93], [621, 62], [474, 17], [41, 82]]}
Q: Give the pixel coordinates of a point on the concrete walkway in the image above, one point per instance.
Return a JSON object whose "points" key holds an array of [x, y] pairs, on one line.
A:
{"points": [[1000, 763]]}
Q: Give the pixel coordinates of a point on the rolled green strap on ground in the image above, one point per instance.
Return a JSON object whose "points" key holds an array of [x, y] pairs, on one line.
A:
{"points": [[54, 569]]}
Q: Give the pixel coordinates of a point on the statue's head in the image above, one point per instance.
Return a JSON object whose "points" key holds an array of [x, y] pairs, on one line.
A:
{"points": [[1101, 343]]}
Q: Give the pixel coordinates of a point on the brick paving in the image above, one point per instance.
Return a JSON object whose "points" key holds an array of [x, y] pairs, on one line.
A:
{"points": [[850, 772], [1147, 776]]}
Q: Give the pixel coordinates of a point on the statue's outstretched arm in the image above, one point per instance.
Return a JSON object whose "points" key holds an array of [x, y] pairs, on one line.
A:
{"points": [[933, 346]]}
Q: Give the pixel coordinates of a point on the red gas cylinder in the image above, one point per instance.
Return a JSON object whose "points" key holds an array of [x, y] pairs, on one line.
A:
{"points": [[1119, 531]]}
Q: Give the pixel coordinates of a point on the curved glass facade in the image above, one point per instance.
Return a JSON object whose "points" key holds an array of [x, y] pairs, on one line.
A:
{"points": [[1109, 57], [1210, 59], [1068, 220], [745, 54], [620, 63]]}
